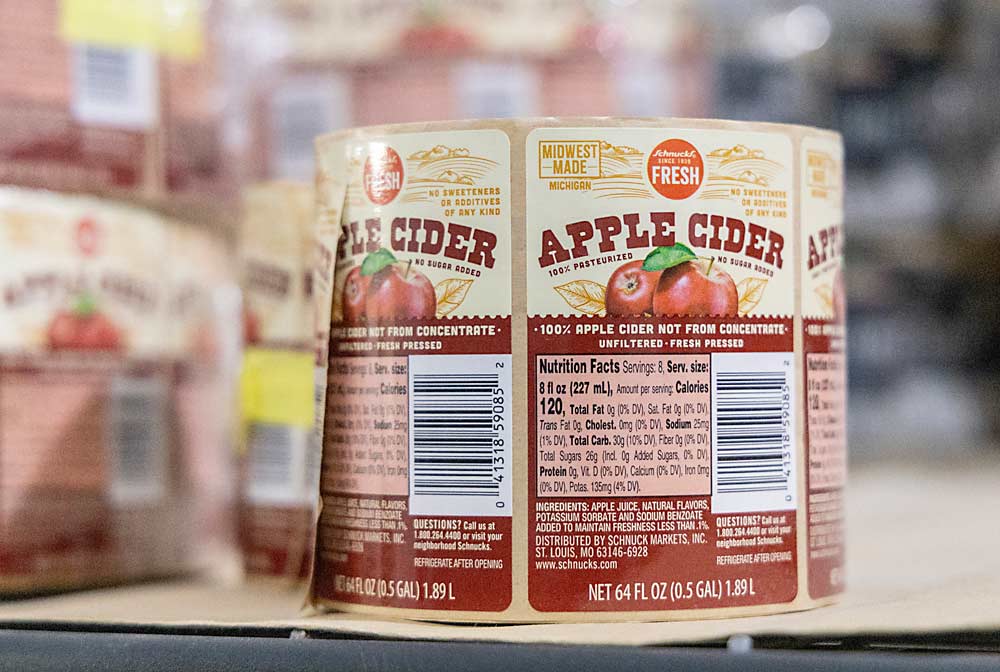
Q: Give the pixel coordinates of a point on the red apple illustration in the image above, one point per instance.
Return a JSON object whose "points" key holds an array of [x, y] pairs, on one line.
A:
{"points": [[689, 284], [84, 328], [399, 292], [630, 290], [87, 236], [355, 294], [696, 288], [97, 332], [395, 290]]}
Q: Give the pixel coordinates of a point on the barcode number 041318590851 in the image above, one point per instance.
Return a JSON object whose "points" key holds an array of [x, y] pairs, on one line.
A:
{"points": [[460, 435]]}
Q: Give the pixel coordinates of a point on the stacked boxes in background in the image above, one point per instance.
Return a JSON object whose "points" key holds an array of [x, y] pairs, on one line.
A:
{"points": [[93, 465], [233, 92], [298, 68], [281, 461], [163, 120], [78, 116], [198, 162], [110, 110]]}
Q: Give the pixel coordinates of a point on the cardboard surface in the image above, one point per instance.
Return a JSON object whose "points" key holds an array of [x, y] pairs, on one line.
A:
{"points": [[923, 541]]}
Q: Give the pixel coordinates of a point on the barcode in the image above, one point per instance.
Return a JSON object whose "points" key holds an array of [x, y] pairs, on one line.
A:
{"points": [[753, 431], [460, 435], [115, 87], [280, 469], [137, 436]]}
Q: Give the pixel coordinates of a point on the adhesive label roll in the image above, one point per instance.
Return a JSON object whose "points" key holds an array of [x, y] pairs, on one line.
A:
{"points": [[581, 369]]}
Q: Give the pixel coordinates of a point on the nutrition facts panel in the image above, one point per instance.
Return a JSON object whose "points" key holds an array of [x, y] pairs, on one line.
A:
{"points": [[673, 464], [667, 426], [644, 432]]}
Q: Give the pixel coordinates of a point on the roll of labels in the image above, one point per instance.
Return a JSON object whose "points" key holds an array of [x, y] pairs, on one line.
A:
{"points": [[580, 370]]}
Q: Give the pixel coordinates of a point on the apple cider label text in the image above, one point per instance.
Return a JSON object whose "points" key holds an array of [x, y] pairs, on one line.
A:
{"points": [[429, 237], [84, 275], [663, 455], [824, 309], [631, 231], [418, 434]]}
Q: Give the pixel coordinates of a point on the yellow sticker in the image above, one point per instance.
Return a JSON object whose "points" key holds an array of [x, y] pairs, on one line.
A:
{"points": [[276, 387], [172, 27]]}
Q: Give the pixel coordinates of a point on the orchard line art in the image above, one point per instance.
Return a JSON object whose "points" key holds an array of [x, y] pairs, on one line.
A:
{"points": [[822, 174], [622, 173], [671, 280], [441, 167], [383, 289], [737, 166]]}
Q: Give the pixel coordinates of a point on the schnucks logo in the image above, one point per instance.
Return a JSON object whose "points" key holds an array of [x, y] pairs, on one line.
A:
{"points": [[675, 169], [383, 175]]}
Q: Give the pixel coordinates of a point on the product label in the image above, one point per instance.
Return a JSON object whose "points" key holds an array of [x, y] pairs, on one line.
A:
{"points": [[823, 310], [416, 480], [93, 438], [662, 443], [281, 455], [280, 462], [275, 245], [81, 276], [276, 388], [281, 475]]}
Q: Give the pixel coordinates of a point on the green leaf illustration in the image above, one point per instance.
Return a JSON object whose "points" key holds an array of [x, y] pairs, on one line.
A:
{"points": [[668, 256], [376, 261]]}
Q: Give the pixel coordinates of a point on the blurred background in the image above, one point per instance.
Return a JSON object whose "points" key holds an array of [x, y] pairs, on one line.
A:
{"points": [[188, 112], [911, 85]]}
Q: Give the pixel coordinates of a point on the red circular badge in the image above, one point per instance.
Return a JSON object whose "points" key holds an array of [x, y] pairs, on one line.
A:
{"points": [[675, 169], [383, 174]]}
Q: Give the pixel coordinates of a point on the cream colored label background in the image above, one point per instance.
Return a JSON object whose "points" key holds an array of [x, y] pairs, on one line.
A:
{"points": [[822, 207], [38, 235], [624, 188], [433, 164], [329, 196], [276, 235]]}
